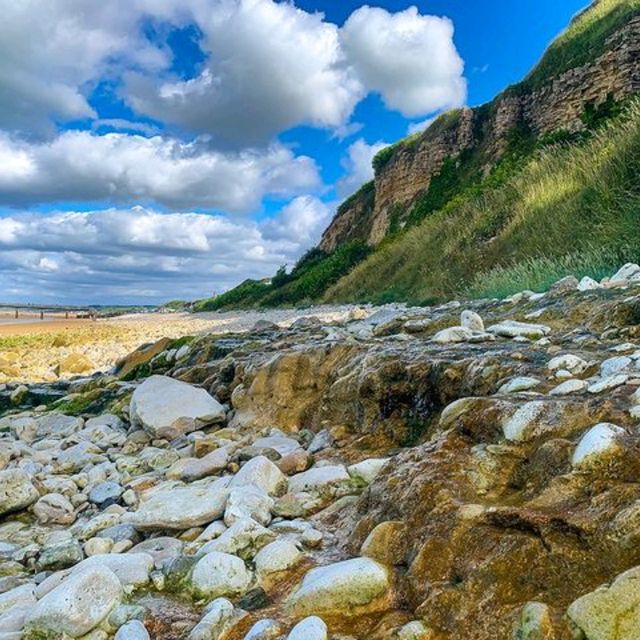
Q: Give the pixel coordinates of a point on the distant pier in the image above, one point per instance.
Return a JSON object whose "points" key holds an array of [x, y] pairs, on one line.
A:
{"points": [[52, 309]]}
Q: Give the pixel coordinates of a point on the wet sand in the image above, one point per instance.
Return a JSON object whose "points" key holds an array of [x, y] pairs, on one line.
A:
{"points": [[29, 326]]}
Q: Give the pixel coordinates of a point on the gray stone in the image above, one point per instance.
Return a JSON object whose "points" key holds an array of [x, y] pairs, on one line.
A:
{"points": [[16, 491]]}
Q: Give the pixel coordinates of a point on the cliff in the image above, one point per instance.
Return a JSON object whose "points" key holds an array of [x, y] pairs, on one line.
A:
{"points": [[577, 76]]}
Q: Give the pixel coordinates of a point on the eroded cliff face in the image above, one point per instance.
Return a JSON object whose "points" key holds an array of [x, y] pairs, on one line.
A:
{"points": [[557, 105]]}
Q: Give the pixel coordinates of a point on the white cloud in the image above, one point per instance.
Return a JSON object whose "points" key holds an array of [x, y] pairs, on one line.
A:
{"points": [[419, 127], [271, 66], [358, 164], [51, 50], [81, 166], [410, 59], [141, 255]]}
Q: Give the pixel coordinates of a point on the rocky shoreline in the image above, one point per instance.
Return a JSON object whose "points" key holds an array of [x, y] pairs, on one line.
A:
{"points": [[462, 471]]}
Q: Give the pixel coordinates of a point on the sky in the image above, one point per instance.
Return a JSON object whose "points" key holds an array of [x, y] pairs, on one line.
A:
{"points": [[153, 150]]}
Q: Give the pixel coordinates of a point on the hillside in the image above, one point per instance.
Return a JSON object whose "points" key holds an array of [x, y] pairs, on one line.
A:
{"points": [[535, 184]]}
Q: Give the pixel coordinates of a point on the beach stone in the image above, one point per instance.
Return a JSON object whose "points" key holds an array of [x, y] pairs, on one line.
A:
{"points": [[600, 442], [161, 549], [471, 320], [133, 630], [54, 509], [341, 588], [74, 363], [262, 473], [78, 605], [16, 491], [453, 335], [60, 555], [514, 329], [516, 385], [105, 494], [244, 538], [23, 595], [367, 470], [167, 408], [588, 284], [318, 478], [611, 612], [220, 574], [521, 424], [220, 616], [311, 628], [190, 469], [248, 502], [265, 630], [280, 555], [176, 506], [568, 387]]}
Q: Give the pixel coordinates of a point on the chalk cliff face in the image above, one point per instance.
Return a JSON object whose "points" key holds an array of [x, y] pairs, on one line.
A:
{"points": [[558, 104]]}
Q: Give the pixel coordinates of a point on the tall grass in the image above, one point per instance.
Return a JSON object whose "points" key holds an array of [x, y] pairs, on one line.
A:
{"points": [[563, 203]]}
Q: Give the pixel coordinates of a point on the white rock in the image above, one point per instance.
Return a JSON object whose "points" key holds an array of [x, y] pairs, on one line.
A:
{"points": [[415, 630], [318, 478], [190, 469], [78, 605], [264, 630], [176, 506], [600, 441], [629, 272], [133, 630], [262, 473], [367, 470], [16, 491], [248, 502], [514, 329], [520, 425], [608, 383], [612, 366], [569, 386], [340, 588], [244, 538], [279, 555], [132, 569], [471, 320], [519, 384], [54, 508], [453, 334], [569, 362], [24, 595], [220, 574], [312, 628], [167, 408], [220, 615], [588, 284], [279, 443]]}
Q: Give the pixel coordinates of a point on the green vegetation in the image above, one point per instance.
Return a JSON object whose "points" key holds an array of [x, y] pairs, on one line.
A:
{"points": [[532, 221], [584, 40], [314, 273]]}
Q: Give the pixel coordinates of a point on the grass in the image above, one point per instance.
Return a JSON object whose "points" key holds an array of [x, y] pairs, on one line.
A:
{"points": [[536, 224], [584, 40]]}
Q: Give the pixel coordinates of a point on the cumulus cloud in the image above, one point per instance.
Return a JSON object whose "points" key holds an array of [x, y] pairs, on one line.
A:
{"points": [[410, 59], [139, 254], [271, 66], [419, 127], [52, 50], [358, 164], [82, 166]]}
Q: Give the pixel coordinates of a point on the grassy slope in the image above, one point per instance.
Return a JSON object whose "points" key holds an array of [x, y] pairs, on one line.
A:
{"points": [[542, 223]]}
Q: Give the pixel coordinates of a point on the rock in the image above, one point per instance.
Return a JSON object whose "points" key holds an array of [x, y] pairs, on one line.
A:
{"points": [[76, 606], [16, 491], [60, 555], [280, 444], [190, 469], [248, 503], [132, 569], [79, 456], [608, 383], [167, 408], [471, 320], [262, 473], [244, 538], [514, 329], [220, 574], [367, 470], [161, 549], [588, 284], [311, 628], [318, 478], [630, 272], [279, 555], [453, 334], [133, 630], [520, 426], [264, 326], [599, 443], [21, 596], [564, 285], [569, 386], [295, 462], [415, 630], [535, 623], [105, 494], [74, 363], [611, 612], [219, 618], [54, 509], [519, 384], [176, 506], [342, 588], [265, 630], [612, 366], [386, 543], [97, 546]]}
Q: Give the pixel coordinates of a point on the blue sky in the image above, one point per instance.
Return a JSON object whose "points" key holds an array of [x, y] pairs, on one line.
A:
{"points": [[157, 150]]}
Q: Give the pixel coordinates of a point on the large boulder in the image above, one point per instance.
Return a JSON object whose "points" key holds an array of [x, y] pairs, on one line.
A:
{"points": [[168, 408], [220, 574], [262, 473], [16, 491], [611, 612], [345, 588], [176, 506], [78, 605]]}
